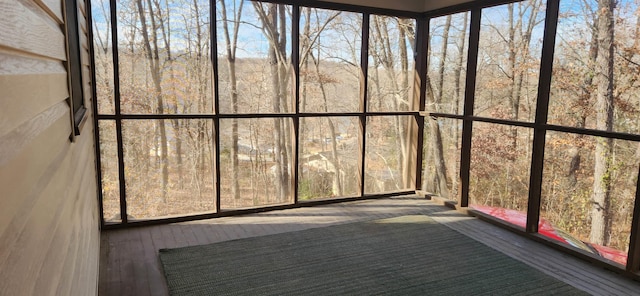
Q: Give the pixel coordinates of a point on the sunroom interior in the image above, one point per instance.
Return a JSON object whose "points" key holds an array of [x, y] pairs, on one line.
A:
{"points": [[523, 114]]}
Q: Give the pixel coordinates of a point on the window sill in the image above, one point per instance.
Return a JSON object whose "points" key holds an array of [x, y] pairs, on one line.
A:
{"points": [[79, 119]]}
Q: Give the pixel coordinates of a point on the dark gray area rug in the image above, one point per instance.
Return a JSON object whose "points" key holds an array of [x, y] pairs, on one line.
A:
{"points": [[408, 255]]}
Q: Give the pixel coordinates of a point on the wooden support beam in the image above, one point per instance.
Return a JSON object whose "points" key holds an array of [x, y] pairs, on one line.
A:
{"points": [[469, 98], [542, 106]]}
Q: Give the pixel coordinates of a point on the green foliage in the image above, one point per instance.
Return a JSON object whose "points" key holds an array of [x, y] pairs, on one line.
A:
{"points": [[315, 185], [304, 189]]}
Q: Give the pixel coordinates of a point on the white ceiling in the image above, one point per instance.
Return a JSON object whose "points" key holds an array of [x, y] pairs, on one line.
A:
{"points": [[428, 5], [406, 5]]}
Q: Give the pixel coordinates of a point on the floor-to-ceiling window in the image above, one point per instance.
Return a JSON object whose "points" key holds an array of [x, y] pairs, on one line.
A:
{"points": [[547, 119], [267, 105]]}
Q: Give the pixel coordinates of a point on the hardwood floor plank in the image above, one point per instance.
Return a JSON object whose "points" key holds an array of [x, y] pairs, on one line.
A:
{"points": [[237, 230], [104, 266], [156, 237], [564, 267], [226, 232], [179, 235], [137, 250], [188, 232], [199, 232], [116, 282], [167, 237], [155, 280], [214, 233]]}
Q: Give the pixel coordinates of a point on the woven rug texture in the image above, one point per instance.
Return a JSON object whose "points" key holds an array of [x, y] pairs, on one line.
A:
{"points": [[408, 255]]}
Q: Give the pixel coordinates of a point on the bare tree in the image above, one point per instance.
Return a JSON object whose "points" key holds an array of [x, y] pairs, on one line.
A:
{"points": [[584, 95], [600, 212], [436, 175], [309, 44], [150, 43], [273, 19], [521, 26], [458, 94], [190, 70], [231, 41], [393, 88]]}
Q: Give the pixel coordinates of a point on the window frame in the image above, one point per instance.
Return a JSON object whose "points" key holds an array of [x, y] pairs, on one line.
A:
{"points": [[74, 67]]}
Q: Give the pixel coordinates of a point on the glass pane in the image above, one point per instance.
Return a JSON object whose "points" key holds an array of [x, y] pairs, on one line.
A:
{"points": [[580, 92], [441, 156], [164, 57], [255, 162], [500, 167], [588, 192], [109, 171], [391, 64], [447, 63], [103, 57], [329, 157], [168, 167], [388, 166], [254, 66], [509, 60], [330, 61]]}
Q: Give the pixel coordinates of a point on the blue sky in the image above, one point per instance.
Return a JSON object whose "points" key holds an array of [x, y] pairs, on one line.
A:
{"points": [[252, 42]]}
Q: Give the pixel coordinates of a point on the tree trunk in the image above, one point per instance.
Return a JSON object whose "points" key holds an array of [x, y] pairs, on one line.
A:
{"points": [[519, 54], [231, 41], [305, 45], [337, 187], [584, 97], [439, 178], [285, 105], [514, 98], [165, 26], [274, 27], [404, 92], [154, 65], [458, 96], [441, 67], [235, 184], [600, 212], [385, 53]]}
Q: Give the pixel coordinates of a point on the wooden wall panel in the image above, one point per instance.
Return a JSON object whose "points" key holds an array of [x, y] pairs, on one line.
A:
{"points": [[82, 8], [87, 89], [84, 42], [85, 58], [26, 255], [26, 96], [22, 29], [26, 173], [88, 95], [13, 142], [86, 74], [82, 21], [51, 263], [49, 222], [12, 63], [53, 7], [64, 284]]}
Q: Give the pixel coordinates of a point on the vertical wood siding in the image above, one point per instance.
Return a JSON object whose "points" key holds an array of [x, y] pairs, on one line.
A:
{"points": [[49, 236]]}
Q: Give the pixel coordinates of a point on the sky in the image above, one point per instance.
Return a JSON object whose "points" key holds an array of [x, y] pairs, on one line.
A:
{"points": [[252, 43], [251, 40]]}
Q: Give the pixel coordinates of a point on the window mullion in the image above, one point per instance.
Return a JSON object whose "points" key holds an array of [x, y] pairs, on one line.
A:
{"points": [[364, 66], [469, 98], [542, 110]]}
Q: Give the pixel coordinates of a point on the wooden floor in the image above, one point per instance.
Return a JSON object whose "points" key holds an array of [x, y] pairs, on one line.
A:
{"points": [[129, 262]]}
